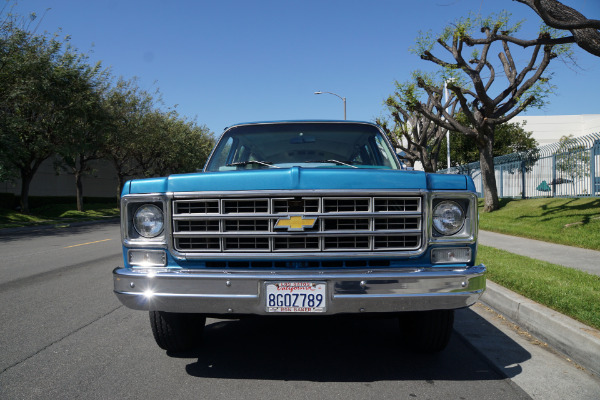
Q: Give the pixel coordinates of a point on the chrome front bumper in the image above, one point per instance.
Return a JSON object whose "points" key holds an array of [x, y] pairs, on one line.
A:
{"points": [[241, 292]]}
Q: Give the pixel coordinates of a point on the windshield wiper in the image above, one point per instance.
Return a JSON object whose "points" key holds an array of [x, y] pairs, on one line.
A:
{"points": [[332, 162], [253, 162]]}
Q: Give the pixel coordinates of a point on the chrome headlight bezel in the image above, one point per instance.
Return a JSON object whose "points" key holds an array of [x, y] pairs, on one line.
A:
{"points": [[131, 236], [467, 234]]}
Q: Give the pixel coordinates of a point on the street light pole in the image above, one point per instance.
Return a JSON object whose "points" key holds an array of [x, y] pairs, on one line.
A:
{"points": [[343, 99], [448, 131]]}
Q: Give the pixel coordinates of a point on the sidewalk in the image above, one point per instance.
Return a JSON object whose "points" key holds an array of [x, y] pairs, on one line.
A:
{"points": [[573, 257], [574, 339]]}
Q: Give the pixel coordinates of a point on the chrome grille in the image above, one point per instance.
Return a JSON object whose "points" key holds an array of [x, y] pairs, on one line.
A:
{"points": [[391, 205], [197, 207], [246, 243], [345, 205], [382, 224], [197, 226], [346, 243], [246, 225], [343, 224], [296, 243], [295, 205], [206, 243], [245, 206]]}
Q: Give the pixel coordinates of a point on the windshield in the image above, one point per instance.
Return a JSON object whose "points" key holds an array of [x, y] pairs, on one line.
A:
{"points": [[283, 145]]}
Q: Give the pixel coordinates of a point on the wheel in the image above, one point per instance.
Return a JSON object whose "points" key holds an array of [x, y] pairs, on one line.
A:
{"points": [[176, 332], [427, 331]]}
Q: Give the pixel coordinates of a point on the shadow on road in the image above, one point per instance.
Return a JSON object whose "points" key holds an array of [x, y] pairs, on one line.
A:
{"points": [[333, 350]]}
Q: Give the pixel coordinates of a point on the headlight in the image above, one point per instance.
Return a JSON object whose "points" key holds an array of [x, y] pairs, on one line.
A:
{"points": [[148, 221], [448, 217]]}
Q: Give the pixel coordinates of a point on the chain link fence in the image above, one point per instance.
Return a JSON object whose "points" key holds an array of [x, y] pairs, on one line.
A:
{"points": [[569, 168]]}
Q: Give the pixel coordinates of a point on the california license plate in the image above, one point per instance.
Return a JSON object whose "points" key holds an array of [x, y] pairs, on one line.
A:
{"points": [[296, 297]]}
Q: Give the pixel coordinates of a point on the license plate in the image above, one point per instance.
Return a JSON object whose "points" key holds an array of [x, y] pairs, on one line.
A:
{"points": [[296, 297]]}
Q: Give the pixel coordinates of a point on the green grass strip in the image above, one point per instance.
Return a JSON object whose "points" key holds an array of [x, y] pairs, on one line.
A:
{"points": [[56, 214], [572, 222], [569, 291]]}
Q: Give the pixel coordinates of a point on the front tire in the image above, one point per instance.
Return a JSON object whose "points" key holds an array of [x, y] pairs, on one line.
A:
{"points": [[427, 331], [176, 332]]}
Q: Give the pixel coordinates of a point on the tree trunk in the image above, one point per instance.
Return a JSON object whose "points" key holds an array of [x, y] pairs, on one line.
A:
{"points": [[488, 175], [26, 178], [79, 169], [79, 190], [427, 162], [27, 172]]}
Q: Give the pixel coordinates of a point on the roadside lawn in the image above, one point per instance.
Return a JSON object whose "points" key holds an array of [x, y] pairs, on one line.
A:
{"points": [[56, 214], [573, 222], [569, 291]]}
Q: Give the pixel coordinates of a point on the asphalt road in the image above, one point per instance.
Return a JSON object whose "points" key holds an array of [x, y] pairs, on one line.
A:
{"points": [[64, 335]]}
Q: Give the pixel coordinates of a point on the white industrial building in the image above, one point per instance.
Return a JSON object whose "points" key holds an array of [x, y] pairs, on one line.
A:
{"points": [[549, 129], [102, 182]]}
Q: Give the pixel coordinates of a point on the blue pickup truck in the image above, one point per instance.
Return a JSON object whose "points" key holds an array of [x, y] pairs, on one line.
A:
{"points": [[300, 218]]}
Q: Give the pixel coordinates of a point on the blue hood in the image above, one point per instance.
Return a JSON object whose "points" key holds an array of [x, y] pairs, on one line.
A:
{"points": [[298, 178]]}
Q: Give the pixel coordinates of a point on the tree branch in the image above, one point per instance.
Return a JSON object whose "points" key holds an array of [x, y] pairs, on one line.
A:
{"points": [[559, 16], [556, 15]]}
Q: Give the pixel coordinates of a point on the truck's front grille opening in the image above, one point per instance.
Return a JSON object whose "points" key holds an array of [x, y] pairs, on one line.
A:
{"points": [[197, 207], [247, 225], [297, 224], [346, 242], [391, 205], [197, 226], [208, 244], [384, 224], [346, 205], [298, 243], [343, 224], [385, 242], [245, 206], [295, 205], [246, 243]]}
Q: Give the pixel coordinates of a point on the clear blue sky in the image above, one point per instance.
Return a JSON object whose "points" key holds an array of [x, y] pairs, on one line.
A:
{"points": [[226, 61]]}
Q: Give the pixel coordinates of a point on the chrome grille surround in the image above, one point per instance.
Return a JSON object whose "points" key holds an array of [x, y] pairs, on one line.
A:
{"points": [[242, 224]]}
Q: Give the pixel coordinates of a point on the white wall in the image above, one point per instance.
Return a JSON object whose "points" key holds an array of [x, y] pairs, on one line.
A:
{"points": [[549, 129], [103, 183]]}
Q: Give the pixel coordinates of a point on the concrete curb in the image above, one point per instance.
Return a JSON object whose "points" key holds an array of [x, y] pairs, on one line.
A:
{"points": [[577, 341]]}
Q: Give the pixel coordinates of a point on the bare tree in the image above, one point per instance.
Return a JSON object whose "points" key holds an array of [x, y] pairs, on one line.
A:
{"points": [[585, 32], [417, 136], [485, 101]]}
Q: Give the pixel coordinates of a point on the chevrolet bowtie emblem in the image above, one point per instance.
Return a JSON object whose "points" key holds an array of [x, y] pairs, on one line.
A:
{"points": [[295, 223]]}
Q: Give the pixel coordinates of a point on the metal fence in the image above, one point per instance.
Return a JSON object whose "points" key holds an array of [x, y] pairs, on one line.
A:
{"points": [[566, 169]]}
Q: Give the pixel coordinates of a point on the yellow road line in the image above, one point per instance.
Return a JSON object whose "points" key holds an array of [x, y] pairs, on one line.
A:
{"points": [[83, 244]]}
